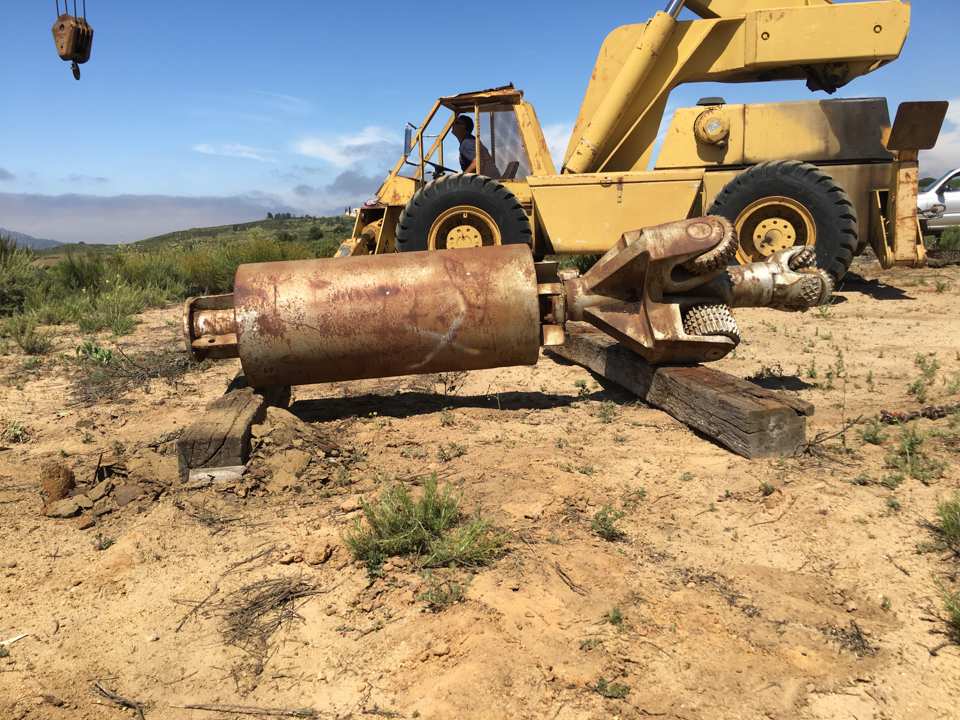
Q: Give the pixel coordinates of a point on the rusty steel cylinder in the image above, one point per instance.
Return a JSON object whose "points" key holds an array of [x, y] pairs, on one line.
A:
{"points": [[315, 321]]}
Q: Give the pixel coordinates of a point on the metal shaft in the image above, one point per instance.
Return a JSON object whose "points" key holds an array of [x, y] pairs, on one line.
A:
{"points": [[314, 321]]}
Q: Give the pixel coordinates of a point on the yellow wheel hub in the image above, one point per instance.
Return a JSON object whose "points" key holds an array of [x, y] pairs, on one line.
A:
{"points": [[464, 236], [463, 226], [772, 224]]}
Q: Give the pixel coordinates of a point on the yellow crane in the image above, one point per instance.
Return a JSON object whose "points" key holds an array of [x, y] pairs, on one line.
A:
{"points": [[830, 174]]}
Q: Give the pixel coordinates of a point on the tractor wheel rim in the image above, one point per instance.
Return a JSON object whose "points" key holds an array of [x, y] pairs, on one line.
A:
{"points": [[463, 226], [772, 224]]}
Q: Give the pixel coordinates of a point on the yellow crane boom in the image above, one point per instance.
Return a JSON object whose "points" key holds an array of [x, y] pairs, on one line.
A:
{"points": [[733, 41]]}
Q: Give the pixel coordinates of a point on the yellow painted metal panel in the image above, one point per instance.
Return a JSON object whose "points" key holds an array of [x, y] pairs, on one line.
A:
{"points": [[823, 131], [828, 130], [612, 178], [848, 31], [590, 216], [681, 149]]}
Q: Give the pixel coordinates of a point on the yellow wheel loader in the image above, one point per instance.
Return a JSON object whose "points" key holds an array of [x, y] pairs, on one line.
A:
{"points": [[830, 174]]}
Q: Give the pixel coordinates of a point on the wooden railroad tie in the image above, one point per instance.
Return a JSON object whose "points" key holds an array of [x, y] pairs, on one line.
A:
{"points": [[747, 419]]}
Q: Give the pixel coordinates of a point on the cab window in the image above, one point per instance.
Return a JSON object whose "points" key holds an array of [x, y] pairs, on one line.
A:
{"points": [[952, 185], [500, 134]]}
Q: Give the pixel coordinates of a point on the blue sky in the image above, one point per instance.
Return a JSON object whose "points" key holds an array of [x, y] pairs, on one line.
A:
{"points": [[194, 113]]}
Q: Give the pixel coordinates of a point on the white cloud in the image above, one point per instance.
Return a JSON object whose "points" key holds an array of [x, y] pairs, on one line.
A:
{"points": [[946, 155], [349, 188], [244, 152], [557, 136], [344, 151], [284, 103]]}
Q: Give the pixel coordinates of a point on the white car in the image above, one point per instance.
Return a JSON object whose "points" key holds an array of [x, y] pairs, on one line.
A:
{"points": [[939, 203]]}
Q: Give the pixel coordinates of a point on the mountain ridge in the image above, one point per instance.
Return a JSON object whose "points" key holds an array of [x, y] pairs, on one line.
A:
{"points": [[28, 241]]}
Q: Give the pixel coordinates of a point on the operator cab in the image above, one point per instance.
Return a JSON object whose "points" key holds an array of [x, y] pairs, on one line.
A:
{"points": [[432, 151]]}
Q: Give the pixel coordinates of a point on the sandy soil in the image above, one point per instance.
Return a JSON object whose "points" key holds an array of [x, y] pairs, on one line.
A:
{"points": [[737, 601]]}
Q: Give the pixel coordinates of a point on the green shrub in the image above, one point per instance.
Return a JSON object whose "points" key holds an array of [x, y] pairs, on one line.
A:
{"points": [[211, 269], [951, 603], [949, 239], [873, 432], [605, 521], [910, 458], [17, 276], [948, 523], [428, 528], [440, 595], [114, 309], [106, 290], [80, 272], [611, 690], [24, 332], [582, 263]]}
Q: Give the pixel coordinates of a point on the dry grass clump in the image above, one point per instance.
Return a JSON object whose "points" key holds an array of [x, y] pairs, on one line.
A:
{"points": [[108, 374], [254, 612]]}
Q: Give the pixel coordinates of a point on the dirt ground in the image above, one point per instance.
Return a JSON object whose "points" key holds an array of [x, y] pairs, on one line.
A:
{"points": [[784, 588]]}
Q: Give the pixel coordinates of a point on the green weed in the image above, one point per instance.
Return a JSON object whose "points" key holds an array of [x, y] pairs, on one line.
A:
{"points": [[607, 412], [614, 616], [15, 432], [590, 643], [431, 528], [947, 526], [605, 521], [450, 451], [24, 331], [928, 366], [611, 690], [873, 433], [951, 603], [440, 595], [89, 350], [910, 458], [582, 390]]}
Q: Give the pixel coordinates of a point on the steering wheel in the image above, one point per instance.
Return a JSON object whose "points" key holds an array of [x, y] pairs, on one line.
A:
{"points": [[438, 168]]}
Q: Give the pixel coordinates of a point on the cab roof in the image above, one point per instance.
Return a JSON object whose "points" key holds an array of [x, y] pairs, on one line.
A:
{"points": [[504, 95]]}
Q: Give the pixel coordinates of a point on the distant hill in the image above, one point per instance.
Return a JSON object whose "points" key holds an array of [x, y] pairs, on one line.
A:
{"points": [[325, 232], [290, 228], [24, 240]]}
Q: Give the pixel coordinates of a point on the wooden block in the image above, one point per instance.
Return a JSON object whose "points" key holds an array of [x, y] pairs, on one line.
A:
{"points": [[221, 436], [749, 420]]}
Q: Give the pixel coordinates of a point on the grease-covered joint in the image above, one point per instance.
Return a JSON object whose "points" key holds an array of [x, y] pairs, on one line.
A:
{"points": [[788, 280]]}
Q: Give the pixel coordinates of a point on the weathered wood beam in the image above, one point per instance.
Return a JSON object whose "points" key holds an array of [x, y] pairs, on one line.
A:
{"points": [[747, 419], [219, 440]]}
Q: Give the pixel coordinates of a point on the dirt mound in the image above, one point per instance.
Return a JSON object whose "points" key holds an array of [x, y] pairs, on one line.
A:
{"points": [[56, 481], [290, 455]]}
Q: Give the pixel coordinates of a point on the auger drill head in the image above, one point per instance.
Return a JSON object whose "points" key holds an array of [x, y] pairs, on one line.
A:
{"points": [[789, 280], [666, 292]]}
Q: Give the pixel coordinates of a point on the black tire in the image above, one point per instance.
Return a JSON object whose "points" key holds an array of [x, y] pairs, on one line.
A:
{"points": [[451, 191], [833, 213]]}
